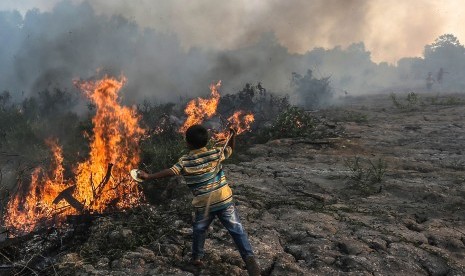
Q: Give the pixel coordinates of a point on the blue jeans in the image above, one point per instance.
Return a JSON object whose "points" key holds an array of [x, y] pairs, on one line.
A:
{"points": [[230, 220]]}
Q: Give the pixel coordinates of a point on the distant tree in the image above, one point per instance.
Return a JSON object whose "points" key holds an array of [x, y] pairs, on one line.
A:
{"points": [[411, 68], [312, 92], [448, 53], [5, 98], [351, 68], [446, 44]]}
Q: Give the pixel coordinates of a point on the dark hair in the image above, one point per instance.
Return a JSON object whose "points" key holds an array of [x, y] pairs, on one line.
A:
{"points": [[197, 136]]}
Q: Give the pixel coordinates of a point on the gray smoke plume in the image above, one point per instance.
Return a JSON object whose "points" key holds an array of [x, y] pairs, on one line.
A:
{"points": [[177, 48]]}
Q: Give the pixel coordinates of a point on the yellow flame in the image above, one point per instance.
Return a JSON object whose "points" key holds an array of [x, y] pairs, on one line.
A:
{"points": [[197, 110], [116, 133]]}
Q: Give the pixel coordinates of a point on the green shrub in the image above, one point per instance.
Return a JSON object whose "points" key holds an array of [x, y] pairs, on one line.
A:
{"points": [[163, 151], [292, 122], [313, 92], [396, 102], [364, 173], [448, 101], [411, 102]]}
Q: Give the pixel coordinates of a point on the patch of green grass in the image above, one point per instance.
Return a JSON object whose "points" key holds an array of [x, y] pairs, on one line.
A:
{"points": [[395, 101], [448, 101], [365, 173], [377, 170], [411, 102]]}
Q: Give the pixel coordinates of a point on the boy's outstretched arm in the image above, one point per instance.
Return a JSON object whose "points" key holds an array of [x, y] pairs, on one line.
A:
{"points": [[161, 174]]}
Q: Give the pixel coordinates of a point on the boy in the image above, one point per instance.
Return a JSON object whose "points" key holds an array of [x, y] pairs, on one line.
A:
{"points": [[202, 170]]}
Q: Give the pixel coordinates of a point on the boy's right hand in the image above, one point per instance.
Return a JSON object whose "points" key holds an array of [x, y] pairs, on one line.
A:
{"points": [[233, 131], [142, 175]]}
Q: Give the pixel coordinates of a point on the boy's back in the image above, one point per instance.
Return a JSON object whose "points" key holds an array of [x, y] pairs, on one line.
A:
{"points": [[202, 170]]}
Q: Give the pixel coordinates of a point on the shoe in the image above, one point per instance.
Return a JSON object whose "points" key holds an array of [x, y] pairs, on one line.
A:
{"points": [[252, 266], [197, 262]]}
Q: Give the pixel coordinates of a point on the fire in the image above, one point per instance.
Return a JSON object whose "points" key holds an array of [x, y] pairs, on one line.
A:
{"points": [[240, 121], [28, 208], [100, 182], [197, 110], [115, 141], [200, 109]]}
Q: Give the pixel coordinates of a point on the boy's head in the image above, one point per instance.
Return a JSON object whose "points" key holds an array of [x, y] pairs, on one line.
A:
{"points": [[197, 136]]}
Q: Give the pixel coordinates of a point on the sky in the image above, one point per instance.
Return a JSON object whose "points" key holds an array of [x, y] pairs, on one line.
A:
{"points": [[390, 29]]}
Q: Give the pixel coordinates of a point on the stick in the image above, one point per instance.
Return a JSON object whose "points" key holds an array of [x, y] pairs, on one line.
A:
{"points": [[106, 178], [93, 186], [100, 187], [207, 208]]}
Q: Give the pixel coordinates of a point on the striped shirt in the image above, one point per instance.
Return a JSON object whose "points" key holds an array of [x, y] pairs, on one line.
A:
{"points": [[202, 170]]}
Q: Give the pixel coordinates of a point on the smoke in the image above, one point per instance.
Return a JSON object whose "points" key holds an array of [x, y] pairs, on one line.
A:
{"points": [[172, 49], [390, 29], [49, 49]]}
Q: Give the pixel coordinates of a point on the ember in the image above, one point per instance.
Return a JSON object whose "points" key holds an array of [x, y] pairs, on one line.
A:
{"points": [[101, 182]]}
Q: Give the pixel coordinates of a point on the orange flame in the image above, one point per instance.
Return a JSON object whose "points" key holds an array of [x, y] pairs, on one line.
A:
{"points": [[197, 110], [200, 109], [116, 133], [26, 210], [115, 141], [240, 121]]}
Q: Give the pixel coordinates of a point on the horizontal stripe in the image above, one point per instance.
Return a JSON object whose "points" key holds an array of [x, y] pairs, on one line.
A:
{"points": [[194, 179], [192, 156], [214, 178], [218, 206], [213, 197], [228, 199], [201, 161], [201, 168], [203, 173], [210, 187], [175, 170]]}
